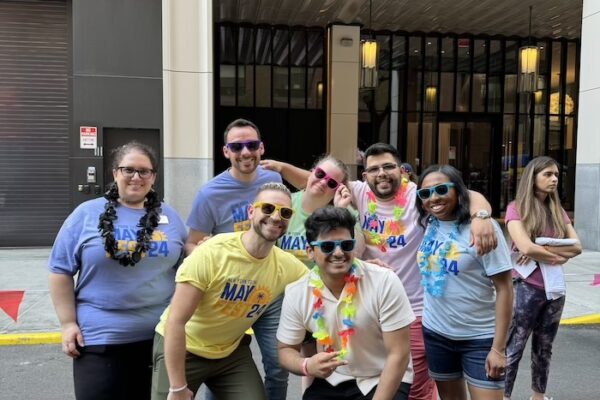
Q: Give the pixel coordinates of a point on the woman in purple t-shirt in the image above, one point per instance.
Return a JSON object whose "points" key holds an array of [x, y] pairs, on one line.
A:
{"points": [[536, 213]]}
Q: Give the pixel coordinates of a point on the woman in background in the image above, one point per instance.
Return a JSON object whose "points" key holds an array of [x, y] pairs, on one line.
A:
{"points": [[538, 303]]}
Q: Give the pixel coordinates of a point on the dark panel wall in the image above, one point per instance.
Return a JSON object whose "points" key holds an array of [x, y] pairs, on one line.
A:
{"points": [[34, 121], [117, 75]]}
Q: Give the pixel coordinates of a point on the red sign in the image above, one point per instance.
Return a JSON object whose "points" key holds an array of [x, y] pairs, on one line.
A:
{"points": [[88, 137]]}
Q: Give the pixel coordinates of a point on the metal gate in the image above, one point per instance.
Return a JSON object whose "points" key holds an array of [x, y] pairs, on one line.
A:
{"points": [[34, 121]]}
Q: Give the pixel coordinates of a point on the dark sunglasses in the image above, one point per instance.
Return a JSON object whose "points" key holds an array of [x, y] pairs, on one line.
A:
{"points": [[268, 209], [328, 246], [251, 145], [440, 190], [331, 183]]}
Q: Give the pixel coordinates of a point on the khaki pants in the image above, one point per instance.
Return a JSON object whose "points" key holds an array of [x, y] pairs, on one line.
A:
{"points": [[234, 377]]}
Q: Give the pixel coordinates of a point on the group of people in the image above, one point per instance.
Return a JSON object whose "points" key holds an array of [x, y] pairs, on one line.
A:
{"points": [[393, 289]]}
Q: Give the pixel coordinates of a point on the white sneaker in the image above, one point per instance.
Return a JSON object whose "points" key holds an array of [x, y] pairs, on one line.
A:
{"points": [[545, 398]]}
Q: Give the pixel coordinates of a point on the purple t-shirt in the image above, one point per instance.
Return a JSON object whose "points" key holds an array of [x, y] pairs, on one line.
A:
{"points": [[512, 214]]}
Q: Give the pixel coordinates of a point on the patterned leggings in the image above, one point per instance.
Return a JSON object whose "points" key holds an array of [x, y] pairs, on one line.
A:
{"points": [[532, 312]]}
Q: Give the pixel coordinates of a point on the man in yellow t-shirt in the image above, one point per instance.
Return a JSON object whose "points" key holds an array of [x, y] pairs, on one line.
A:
{"points": [[222, 288]]}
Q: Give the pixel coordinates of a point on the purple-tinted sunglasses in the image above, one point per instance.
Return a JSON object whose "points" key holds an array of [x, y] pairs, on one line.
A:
{"points": [[251, 145]]}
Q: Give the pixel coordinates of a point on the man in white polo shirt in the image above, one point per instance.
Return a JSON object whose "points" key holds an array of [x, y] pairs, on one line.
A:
{"points": [[358, 313]]}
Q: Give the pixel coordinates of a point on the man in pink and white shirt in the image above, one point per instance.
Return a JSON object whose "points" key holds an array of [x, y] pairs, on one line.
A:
{"points": [[394, 236]]}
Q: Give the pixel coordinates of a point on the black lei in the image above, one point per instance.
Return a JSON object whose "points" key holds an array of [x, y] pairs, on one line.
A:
{"points": [[147, 224]]}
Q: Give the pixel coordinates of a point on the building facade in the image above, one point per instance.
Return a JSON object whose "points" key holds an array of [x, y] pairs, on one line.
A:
{"points": [[82, 77]]}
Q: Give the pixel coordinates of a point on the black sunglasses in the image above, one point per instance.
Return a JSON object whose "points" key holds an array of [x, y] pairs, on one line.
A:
{"points": [[331, 183], [328, 246], [268, 209], [440, 190], [251, 145]]}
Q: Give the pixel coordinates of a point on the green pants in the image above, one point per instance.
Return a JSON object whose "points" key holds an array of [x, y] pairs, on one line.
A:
{"points": [[234, 377]]}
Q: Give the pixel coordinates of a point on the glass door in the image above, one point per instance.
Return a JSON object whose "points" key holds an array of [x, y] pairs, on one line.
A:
{"points": [[468, 146]]}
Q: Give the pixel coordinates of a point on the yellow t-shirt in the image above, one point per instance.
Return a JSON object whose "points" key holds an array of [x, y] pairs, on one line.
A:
{"points": [[237, 289]]}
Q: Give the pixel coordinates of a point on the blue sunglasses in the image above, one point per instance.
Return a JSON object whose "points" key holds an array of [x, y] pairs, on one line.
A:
{"points": [[440, 190], [328, 246]]}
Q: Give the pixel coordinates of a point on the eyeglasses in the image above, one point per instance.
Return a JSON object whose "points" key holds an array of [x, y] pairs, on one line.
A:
{"points": [[374, 170], [440, 190], [251, 145], [268, 209], [129, 172], [328, 246], [331, 183]]}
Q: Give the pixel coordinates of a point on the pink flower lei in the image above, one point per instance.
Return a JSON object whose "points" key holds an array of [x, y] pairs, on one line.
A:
{"points": [[400, 200]]}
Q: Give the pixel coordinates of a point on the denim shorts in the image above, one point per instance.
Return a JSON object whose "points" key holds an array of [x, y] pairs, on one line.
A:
{"points": [[450, 360]]}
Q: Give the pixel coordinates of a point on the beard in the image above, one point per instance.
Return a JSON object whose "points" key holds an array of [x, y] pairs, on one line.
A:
{"points": [[262, 231], [386, 194]]}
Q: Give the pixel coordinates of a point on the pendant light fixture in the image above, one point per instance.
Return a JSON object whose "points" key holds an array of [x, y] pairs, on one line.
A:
{"points": [[529, 58], [368, 58]]}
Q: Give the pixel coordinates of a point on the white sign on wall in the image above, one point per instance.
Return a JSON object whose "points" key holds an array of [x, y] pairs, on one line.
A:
{"points": [[452, 153], [88, 137]]}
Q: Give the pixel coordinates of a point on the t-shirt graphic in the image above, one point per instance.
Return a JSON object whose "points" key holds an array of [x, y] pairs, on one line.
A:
{"points": [[241, 298], [449, 262], [239, 213], [377, 231], [221, 205], [126, 239]]}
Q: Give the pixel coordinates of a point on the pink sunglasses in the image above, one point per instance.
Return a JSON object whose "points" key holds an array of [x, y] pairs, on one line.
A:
{"points": [[331, 183]]}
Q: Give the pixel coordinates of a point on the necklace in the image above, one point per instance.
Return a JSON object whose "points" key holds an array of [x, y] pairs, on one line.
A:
{"points": [[433, 276], [394, 226], [348, 311], [148, 222]]}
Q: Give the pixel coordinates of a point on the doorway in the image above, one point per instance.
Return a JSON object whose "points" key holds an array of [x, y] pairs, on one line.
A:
{"points": [[467, 143]]}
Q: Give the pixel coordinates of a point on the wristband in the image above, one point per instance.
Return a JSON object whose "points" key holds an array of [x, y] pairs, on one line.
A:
{"points": [[177, 390], [305, 367]]}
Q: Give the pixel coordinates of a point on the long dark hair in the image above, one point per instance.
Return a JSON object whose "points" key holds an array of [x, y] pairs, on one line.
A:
{"points": [[462, 211]]}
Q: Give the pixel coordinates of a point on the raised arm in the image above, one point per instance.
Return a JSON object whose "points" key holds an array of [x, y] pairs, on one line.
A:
{"points": [[184, 303], [297, 177], [63, 297], [483, 235], [496, 359], [397, 345]]}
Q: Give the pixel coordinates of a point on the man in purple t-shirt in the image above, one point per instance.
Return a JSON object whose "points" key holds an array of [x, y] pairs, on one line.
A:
{"points": [[221, 205]]}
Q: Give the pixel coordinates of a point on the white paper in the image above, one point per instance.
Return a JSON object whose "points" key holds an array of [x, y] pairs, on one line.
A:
{"points": [[523, 269], [548, 241]]}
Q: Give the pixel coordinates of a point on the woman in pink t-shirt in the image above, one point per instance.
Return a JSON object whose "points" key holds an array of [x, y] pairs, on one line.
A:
{"points": [[535, 213]]}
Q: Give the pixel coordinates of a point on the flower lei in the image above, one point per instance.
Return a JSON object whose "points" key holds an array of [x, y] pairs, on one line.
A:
{"points": [[433, 279], [400, 201], [148, 222], [348, 311]]}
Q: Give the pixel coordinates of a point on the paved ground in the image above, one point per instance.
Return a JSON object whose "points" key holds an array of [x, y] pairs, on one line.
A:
{"points": [[43, 372], [25, 269], [47, 373]]}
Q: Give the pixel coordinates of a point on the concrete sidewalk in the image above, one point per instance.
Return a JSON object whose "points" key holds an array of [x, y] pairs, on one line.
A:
{"points": [[25, 269]]}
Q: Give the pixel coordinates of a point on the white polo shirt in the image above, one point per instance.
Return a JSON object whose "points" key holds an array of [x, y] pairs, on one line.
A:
{"points": [[381, 306]]}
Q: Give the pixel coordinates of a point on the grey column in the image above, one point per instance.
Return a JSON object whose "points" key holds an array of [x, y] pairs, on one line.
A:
{"points": [[587, 185]]}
